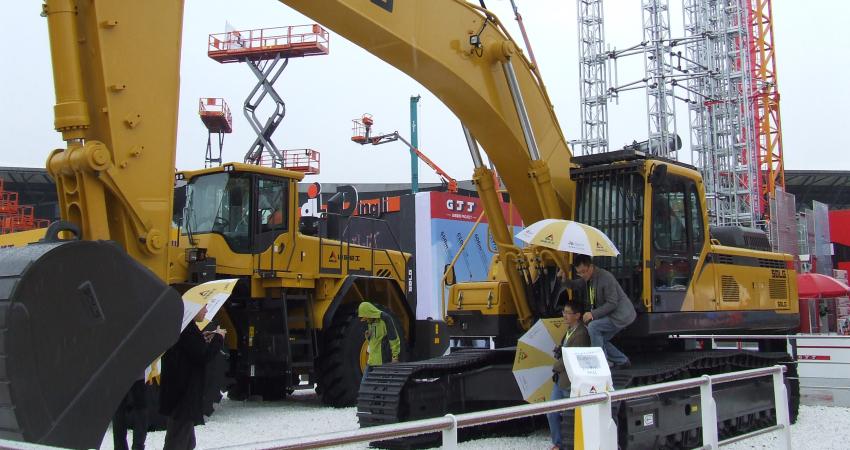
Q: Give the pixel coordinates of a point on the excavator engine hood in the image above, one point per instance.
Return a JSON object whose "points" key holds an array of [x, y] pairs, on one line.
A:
{"points": [[79, 322]]}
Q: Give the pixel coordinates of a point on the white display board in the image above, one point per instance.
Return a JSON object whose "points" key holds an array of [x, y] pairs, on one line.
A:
{"points": [[589, 373]]}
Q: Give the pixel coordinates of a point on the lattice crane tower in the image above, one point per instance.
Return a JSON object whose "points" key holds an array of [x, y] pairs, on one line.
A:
{"points": [[765, 90]]}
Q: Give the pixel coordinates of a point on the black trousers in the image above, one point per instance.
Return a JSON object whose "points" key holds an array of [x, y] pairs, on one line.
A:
{"points": [[132, 413], [179, 435]]}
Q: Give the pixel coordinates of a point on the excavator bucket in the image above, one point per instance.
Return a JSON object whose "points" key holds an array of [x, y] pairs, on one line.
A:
{"points": [[79, 322]]}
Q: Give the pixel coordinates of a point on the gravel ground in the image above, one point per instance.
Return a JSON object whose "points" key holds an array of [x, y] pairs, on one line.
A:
{"points": [[241, 422]]}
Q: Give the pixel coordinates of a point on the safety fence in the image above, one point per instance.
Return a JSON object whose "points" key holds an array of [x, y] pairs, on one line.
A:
{"points": [[596, 407]]}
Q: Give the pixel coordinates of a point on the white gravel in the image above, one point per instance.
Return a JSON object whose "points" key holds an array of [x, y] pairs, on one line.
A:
{"points": [[244, 422]]}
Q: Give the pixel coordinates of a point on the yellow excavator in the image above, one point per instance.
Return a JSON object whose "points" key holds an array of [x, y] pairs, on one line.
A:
{"points": [[97, 298], [683, 276], [103, 280]]}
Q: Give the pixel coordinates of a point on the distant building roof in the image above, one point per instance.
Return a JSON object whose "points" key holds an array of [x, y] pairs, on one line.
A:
{"points": [[826, 186], [26, 176]]}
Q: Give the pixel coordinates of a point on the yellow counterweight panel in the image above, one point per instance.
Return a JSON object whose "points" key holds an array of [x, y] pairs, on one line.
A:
{"points": [[488, 297]]}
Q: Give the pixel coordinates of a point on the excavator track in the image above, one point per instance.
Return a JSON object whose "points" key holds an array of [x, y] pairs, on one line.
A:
{"points": [[409, 391]]}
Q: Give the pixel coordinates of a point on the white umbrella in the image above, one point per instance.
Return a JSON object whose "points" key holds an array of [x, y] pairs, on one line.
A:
{"points": [[568, 236]]}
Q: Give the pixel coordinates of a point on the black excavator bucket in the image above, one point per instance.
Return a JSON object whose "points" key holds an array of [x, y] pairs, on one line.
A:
{"points": [[79, 322]]}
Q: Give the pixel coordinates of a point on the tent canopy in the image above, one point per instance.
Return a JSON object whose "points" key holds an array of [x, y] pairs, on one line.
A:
{"points": [[815, 285]]}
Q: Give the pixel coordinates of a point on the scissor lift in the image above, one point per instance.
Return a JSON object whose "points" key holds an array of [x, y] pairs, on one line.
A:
{"points": [[267, 52], [215, 114]]}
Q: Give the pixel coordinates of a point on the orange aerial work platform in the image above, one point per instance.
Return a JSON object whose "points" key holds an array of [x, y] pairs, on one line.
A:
{"points": [[304, 160], [268, 43], [8, 201], [215, 114]]}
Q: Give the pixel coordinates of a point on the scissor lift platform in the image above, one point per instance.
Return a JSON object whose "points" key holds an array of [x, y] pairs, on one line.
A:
{"points": [[268, 43]]}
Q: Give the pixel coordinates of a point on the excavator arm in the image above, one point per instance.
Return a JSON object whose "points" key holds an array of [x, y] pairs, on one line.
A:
{"points": [[465, 57], [97, 304], [84, 311], [430, 41]]}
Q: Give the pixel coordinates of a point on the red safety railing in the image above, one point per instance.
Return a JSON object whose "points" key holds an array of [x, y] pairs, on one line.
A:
{"points": [[215, 114], [303, 160], [8, 202], [267, 43]]}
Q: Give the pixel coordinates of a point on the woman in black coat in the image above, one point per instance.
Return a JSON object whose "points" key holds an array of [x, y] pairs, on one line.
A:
{"points": [[183, 378]]}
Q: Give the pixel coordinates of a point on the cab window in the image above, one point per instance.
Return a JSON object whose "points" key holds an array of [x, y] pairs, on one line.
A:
{"points": [[271, 204], [670, 219], [220, 203]]}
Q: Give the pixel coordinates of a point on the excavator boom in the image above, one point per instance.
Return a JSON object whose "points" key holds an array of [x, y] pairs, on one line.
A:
{"points": [[430, 41], [83, 317]]}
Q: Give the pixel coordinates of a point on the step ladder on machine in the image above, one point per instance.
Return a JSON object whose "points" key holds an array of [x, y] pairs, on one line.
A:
{"points": [[300, 336]]}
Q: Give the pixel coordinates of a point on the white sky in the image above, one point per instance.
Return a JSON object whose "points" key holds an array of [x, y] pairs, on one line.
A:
{"points": [[324, 93]]}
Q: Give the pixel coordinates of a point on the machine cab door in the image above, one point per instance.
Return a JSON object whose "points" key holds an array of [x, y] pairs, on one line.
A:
{"points": [[677, 240], [272, 211]]}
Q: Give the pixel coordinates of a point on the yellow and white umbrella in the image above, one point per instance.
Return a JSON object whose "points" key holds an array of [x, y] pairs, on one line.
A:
{"points": [[568, 236], [213, 294], [534, 359]]}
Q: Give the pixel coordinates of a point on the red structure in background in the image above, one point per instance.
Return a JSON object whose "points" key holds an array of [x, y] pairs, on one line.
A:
{"points": [[839, 235], [15, 217]]}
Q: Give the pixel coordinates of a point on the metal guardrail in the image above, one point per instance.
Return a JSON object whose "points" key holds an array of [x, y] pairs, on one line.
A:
{"points": [[601, 403], [749, 337], [785, 337]]}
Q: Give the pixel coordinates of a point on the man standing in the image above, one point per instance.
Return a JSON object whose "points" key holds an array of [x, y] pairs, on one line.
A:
{"points": [[183, 378], [132, 414], [610, 308], [381, 335], [576, 336]]}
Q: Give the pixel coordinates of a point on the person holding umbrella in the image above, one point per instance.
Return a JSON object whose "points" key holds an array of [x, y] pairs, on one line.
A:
{"points": [[610, 308], [576, 336], [183, 379]]}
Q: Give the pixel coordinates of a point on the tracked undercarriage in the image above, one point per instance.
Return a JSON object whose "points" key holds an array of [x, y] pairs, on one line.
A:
{"points": [[472, 380]]}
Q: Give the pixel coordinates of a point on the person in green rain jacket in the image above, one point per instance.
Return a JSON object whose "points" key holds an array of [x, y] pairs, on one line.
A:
{"points": [[381, 334]]}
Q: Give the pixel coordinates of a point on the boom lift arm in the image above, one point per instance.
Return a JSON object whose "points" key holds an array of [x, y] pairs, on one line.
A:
{"points": [[395, 136], [363, 135]]}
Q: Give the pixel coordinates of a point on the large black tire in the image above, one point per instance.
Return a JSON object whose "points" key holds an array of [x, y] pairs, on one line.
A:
{"points": [[338, 366]]}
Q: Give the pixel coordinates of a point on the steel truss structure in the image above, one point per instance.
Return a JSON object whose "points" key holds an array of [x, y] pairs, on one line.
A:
{"points": [[660, 100], [593, 77], [727, 75]]}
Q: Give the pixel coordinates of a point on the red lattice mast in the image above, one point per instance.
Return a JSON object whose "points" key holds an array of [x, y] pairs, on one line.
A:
{"points": [[765, 101]]}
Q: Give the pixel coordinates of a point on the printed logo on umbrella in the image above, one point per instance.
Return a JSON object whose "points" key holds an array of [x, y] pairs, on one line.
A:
{"points": [[599, 246], [521, 355], [550, 239]]}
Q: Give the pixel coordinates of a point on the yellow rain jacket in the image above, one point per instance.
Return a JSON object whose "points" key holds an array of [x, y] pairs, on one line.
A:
{"points": [[383, 339]]}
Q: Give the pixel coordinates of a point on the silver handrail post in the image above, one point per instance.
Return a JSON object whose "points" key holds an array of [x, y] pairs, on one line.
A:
{"points": [[709, 414], [450, 434], [783, 418]]}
